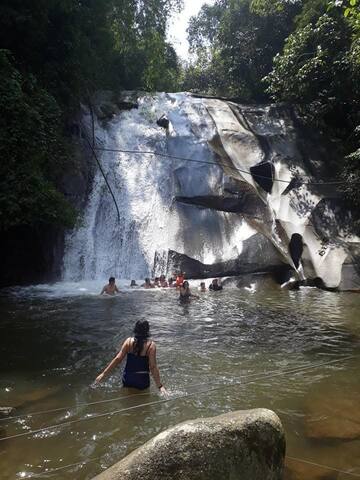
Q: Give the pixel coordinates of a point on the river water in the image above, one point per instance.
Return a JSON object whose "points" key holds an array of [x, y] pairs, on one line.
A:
{"points": [[56, 339]]}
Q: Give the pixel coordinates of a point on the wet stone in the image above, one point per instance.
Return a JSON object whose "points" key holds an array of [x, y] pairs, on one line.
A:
{"points": [[333, 417], [246, 444], [6, 412]]}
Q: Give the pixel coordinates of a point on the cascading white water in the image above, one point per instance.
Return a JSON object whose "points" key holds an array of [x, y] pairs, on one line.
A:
{"points": [[151, 221]]}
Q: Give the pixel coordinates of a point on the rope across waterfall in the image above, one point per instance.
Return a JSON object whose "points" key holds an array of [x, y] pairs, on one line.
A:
{"points": [[295, 180]]}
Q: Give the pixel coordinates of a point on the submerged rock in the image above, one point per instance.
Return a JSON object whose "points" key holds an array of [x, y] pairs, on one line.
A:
{"points": [[6, 412], [245, 444], [333, 417]]}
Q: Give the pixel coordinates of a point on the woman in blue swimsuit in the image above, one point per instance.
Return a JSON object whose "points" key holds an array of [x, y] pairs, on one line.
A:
{"points": [[140, 353]]}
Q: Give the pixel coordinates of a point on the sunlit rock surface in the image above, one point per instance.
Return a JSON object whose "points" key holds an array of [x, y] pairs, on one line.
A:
{"points": [[225, 175], [245, 444]]}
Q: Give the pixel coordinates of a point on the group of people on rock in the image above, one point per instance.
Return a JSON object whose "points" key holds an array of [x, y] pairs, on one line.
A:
{"points": [[176, 281]]}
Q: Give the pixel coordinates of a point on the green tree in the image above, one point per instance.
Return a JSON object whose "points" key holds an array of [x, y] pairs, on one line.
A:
{"points": [[32, 152], [235, 42]]}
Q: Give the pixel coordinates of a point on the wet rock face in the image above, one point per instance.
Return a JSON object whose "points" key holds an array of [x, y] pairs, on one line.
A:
{"points": [[258, 255], [290, 169], [245, 444], [234, 173], [6, 412]]}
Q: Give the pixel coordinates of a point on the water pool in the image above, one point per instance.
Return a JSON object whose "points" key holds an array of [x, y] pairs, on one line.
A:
{"points": [[56, 339]]}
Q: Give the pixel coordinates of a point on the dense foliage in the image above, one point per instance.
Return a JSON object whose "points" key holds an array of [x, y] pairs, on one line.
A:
{"points": [[234, 45], [304, 52], [56, 53], [53, 55]]}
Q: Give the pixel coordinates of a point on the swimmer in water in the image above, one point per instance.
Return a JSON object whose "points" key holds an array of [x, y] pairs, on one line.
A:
{"points": [[140, 353], [185, 293], [147, 284], [202, 287], [215, 285], [110, 288], [133, 284], [163, 282]]}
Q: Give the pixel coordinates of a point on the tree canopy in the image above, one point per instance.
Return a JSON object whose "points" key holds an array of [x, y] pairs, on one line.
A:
{"points": [[53, 55], [303, 52]]}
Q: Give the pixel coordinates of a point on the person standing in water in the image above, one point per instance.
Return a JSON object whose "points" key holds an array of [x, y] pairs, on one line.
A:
{"points": [[140, 353], [110, 288], [185, 293]]}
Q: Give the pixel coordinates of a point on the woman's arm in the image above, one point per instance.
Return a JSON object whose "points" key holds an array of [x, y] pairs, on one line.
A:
{"points": [[154, 368], [194, 296], [115, 361]]}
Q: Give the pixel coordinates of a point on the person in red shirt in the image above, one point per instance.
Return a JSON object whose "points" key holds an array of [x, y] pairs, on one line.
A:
{"points": [[180, 279]]}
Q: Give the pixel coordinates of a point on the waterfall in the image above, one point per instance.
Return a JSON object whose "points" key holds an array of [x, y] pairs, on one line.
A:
{"points": [[236, 189], [145, 186]]}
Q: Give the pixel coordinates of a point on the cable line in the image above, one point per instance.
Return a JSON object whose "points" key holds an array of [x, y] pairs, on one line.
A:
{"points": [[93, 149], [114, 399], [166, 400], [52, 470], [91, 460], [325, 467], [207, 162]]}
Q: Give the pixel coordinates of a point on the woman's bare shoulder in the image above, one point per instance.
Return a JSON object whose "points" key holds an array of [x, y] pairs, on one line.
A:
{"points": [[127, 343]]}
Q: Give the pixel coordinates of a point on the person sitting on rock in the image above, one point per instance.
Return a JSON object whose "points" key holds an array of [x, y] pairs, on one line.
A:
{"points": [[148, 284], [157, 282], [185, 293], [110, 288], [215, 286], [140, 353]]}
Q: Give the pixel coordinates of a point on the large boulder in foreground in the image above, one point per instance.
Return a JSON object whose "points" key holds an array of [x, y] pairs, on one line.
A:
{"points": [[246, 445]]}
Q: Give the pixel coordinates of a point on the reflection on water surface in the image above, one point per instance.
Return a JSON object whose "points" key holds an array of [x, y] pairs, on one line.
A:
{"points": [[53, 344]]}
